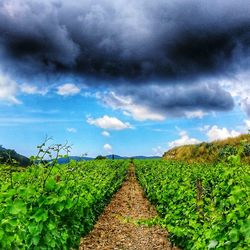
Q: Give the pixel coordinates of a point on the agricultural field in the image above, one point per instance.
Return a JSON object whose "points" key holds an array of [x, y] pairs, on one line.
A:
{"points": [[105, 203], [52, 207], [203, 206]]}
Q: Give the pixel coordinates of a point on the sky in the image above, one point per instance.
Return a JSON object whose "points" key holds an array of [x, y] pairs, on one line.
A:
{"points": [[123, 77]]}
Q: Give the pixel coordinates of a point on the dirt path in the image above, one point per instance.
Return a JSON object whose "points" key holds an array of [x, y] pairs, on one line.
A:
{"points": [[115, 229]]}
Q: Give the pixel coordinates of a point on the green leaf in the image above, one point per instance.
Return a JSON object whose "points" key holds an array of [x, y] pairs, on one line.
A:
{"points": [[234, 235], [247, 180], [69, 204], [245, 229], [53, 243], [50, 184], [60, 206], [35, 228], [65, 235], [13, 222], [35, 240], [1, 233], [18, 207], [32, 228], [40, 215], [51, 225]]}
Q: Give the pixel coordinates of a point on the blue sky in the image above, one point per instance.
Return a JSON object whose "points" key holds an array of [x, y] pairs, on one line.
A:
{"points": [[123, 77], [65, 117]]}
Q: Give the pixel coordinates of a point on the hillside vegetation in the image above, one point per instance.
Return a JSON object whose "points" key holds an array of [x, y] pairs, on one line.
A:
{"points": [[213, 151], [9, 156]]}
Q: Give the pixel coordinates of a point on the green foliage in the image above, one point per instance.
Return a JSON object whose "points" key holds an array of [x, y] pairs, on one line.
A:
{"points": [[246, 151], [202, 206], [227, 151], [50, 206]]}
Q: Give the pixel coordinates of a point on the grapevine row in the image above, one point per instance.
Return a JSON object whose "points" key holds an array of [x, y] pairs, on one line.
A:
{"points": [[52, 207], [202, 206]]}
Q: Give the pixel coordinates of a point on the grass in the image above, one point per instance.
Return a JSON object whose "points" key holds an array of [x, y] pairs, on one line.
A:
{"points": [[213, 151]]}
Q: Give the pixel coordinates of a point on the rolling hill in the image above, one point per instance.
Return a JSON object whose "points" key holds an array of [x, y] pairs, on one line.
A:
{"points": [[7, 154], [212, 151]]}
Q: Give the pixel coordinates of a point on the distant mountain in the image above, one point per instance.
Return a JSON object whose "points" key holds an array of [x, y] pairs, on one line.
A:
{"points": [[134, 157], [116, 157], [7, 154]]}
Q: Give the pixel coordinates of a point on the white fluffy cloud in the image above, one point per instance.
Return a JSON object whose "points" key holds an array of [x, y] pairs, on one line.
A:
{"points": [[8, 90], [245, 104], [105, 133], [247, 122], [215, 133], [130, 108], [110, 123], [107, 147], [195, 114], [32, 89], [68, 89], [239, 88], [183, 140], [71, 130]]}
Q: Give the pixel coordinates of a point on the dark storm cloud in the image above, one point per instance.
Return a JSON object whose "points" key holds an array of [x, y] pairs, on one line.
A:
{"points": [[136, 42], [196, 97], [124, 39], [174, 100]]}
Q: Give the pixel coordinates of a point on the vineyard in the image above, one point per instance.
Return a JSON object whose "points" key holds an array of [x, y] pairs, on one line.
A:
{"points": [[52, 207], [201, 206]]}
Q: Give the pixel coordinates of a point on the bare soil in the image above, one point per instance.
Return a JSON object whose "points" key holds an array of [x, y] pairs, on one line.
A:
{"points": [[116, 229]]}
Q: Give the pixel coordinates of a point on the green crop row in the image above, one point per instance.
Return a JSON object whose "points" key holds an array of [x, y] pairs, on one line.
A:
{"points": [[201, 206], [52, 207]]}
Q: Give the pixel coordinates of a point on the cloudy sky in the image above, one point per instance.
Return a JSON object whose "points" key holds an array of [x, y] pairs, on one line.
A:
{"points": [[125, 77]]}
